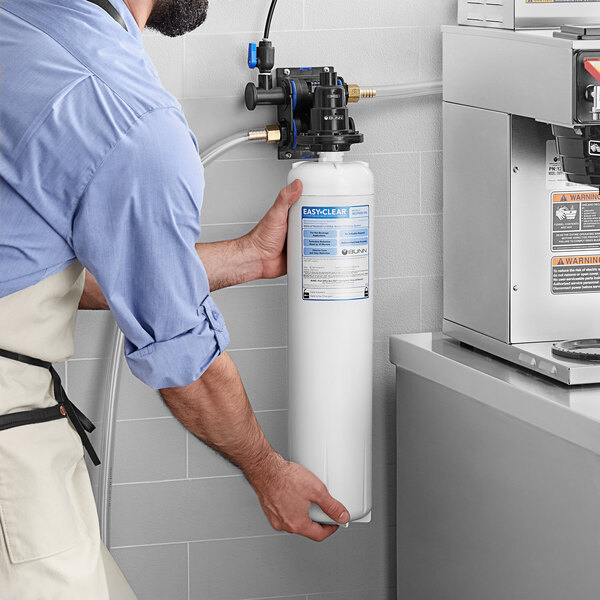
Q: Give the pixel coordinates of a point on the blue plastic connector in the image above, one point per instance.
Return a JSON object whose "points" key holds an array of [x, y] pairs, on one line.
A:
{"points": [[252, 58], [294, 94], [294, 134]]}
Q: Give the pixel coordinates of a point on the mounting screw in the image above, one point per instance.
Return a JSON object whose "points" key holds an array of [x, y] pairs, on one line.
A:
{"points": [[515, 169], [326, 69], [515, 288], [286, 72], [288, 155]]}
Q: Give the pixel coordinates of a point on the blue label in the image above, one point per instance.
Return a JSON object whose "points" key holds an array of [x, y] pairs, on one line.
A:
{"points": [[335, 253], [317, 233], [308, 243], [320, 252], [356, 242], [353, 233]]}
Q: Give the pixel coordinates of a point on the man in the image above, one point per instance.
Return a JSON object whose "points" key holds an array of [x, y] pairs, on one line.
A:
{"points": [[98, 169]]}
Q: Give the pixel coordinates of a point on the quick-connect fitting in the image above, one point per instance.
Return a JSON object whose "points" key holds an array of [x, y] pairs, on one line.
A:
{"points": [[355, 93], [271, 134]]}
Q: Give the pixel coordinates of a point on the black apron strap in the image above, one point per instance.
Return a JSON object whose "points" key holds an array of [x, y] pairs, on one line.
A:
{"points": [[27, 417], [64, 408], [23, 358], [111, 10]]}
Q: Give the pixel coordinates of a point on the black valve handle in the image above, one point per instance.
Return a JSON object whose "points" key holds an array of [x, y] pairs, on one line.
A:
{"points": [[255, 96]]}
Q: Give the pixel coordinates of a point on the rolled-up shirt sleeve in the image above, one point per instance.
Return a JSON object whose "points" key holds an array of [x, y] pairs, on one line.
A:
{"points": [[135, 230]]}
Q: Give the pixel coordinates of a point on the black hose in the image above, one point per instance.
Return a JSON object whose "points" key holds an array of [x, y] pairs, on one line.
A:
{"points": [[269, 19]]}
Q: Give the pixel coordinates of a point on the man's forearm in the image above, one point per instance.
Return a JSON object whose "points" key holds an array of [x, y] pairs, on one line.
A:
{"points": [[226, 263], [92, 297], [230, 262], [216, 409]]}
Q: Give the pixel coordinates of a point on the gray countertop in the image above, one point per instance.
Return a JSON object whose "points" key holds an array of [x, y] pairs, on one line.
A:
{"points": [[570, 412]]}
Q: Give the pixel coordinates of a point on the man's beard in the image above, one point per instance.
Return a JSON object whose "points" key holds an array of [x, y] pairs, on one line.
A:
{"points": [[176, 17]]}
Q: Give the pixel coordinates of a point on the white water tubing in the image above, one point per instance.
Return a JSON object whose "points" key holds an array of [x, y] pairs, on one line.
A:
{"points": [[224, 146], [408, 90], [108, 442]]}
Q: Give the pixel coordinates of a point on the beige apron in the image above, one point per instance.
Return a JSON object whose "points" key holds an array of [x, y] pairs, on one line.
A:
{"points": [[50, 547]]}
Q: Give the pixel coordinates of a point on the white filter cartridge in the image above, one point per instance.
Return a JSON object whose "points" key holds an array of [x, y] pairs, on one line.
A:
{"points": [[330, 329]]}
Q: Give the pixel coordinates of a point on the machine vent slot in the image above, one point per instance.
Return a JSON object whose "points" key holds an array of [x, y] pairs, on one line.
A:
{"points": [[494, 20], [475, 18]]}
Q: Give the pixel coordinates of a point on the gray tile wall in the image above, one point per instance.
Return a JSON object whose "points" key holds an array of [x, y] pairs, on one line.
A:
{"points": [[185, 524]]}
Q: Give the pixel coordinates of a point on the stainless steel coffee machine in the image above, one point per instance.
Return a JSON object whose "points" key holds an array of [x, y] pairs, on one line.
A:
{"points": [[521, 184]]}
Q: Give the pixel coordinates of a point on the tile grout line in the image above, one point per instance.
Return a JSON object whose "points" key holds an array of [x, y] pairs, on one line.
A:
{"points": [[420, 184], [421, 303], [208, 540], [257, 348], [187, 455], [145, 419], [179, 480], [188, 570]]}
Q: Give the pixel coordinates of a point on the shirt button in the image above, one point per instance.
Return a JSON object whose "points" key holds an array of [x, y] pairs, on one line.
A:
{"points": [[215, 315]]}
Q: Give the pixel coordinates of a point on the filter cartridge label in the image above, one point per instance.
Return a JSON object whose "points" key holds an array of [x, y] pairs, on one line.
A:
{"points": [[335, 252]]}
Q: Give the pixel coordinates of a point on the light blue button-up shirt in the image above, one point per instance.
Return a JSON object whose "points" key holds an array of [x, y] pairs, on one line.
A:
{"points": [[97, 163]]}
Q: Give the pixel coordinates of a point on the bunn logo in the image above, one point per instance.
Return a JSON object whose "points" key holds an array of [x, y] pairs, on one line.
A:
{"points": [[357, 251]]}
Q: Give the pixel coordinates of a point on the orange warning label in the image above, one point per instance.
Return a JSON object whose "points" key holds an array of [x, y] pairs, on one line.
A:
{"points": [[569, 261], [575, 274], [578, 197]]}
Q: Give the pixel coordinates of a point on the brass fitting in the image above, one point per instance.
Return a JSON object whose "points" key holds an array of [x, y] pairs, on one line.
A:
{"points": [[355, 93], [273, 134], [270, 134], [257, 135]]}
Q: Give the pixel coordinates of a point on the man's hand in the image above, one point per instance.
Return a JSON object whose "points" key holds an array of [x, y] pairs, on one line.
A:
{"points": [[259, 254], [286, 491], [268, 237]]}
